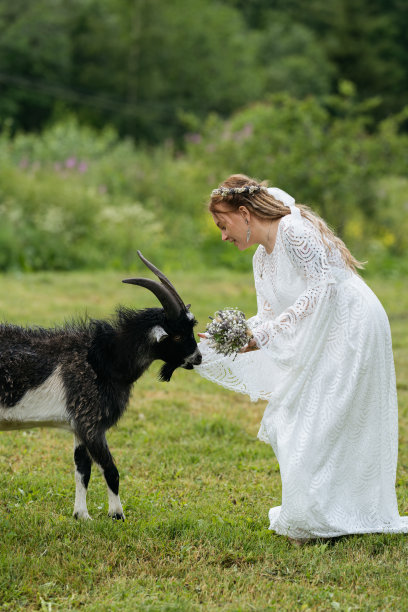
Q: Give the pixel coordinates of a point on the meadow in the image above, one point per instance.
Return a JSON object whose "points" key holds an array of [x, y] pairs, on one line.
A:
{"points": [[196, 485]]}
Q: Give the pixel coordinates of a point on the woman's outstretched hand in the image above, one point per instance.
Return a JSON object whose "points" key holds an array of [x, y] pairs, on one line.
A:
{"points": [[251, 346]]}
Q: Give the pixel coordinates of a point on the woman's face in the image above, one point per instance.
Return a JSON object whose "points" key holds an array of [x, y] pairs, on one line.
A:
{"points": [[233, 227]]}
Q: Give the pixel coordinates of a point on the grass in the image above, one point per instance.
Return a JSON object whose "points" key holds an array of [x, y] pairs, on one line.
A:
{"points": [[196, 486]]}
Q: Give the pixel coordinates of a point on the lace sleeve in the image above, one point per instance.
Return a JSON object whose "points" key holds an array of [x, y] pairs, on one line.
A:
{"points": [[264, 312], [305, 249]]}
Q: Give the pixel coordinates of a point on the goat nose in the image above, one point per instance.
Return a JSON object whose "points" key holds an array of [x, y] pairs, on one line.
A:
{"points": [[196, 357]]}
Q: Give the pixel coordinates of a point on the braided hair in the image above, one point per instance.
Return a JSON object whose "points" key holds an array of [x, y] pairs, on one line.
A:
{"points": [[241, 190]]}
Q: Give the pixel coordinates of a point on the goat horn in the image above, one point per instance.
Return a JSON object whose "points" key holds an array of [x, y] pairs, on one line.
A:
{"points": [[163, 279], [167, 300]]}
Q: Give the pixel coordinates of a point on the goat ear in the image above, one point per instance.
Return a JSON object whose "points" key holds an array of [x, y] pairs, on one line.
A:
{"points": [[158, 333]]}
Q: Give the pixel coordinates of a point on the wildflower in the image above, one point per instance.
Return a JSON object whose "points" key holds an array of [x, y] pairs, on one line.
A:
{"points": [[82, 167], [71, 162]]}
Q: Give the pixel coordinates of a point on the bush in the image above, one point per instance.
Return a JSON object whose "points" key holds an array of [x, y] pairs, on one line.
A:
{"points": [[74, 197], [54, 221], [331, 164]]}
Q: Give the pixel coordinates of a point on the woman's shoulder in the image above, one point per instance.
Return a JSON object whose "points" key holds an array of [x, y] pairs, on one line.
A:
{"points": [[302, 241], [296, 229]]}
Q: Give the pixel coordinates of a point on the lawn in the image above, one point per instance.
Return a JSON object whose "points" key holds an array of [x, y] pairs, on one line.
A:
{"points": [[196, 486]]}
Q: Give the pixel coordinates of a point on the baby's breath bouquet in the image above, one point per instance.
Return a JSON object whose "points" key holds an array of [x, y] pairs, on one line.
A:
{"points": [[228, 331]]}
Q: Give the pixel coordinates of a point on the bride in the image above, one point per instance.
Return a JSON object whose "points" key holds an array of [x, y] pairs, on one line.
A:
{"points": [[321, 355]]}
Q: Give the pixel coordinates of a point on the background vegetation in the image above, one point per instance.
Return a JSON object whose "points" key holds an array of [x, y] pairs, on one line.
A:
{"points": [[118, 117], [140, 65], [75, 198]]}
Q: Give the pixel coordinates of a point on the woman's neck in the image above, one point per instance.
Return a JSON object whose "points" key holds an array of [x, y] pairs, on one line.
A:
{"points": [[267, 232]]}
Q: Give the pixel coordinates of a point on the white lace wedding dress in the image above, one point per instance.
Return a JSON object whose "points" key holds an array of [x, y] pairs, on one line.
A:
{"points": [[326, 366]]}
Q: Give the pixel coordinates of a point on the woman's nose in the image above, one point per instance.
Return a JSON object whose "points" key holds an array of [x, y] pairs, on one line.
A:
{"points": [[224, 235]]}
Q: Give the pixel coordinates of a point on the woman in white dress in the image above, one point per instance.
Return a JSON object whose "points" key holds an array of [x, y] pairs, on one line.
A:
{"points": [[321, 355]]}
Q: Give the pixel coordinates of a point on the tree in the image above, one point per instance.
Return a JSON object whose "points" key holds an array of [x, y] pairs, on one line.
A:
{"points": [[162, 59], [34, 59], [293, 60]]}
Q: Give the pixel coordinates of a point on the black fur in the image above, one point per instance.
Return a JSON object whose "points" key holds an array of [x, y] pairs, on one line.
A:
{"points": [[83, 463], [22, 367], [99, 361]]}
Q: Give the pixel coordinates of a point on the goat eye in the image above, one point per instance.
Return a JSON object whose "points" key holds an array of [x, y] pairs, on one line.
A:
{"points": [[177, 338]]}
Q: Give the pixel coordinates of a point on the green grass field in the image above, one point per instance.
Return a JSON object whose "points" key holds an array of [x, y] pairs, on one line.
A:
{"points": [[196, 486]]}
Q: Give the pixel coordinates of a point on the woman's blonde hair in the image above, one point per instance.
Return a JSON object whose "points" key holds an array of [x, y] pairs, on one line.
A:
{"points": [[265, 206]]}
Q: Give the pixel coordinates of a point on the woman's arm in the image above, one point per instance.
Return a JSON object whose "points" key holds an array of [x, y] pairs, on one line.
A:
{"points": [[305, 249]]}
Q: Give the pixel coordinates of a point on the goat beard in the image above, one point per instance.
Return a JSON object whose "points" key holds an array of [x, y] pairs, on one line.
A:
{"points": [[166, 372]]}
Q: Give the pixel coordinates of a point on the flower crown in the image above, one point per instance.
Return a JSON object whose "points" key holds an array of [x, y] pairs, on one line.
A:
{"points": [[227, 191], [275, 192]]}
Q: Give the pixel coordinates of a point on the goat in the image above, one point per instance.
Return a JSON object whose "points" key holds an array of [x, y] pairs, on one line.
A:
{"points": [[79, 377]]}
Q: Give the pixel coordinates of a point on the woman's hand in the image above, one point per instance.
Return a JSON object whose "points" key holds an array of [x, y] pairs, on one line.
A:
{"points": [[251, 346], [204, 336]]}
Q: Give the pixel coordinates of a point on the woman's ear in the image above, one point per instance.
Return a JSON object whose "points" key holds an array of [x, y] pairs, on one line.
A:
{"points": [[246, 215]]}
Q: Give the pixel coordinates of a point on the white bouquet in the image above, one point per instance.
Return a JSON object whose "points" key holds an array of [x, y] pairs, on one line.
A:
{"points": [[228, 331]]}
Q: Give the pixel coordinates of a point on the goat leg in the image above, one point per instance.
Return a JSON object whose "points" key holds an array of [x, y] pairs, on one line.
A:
{"points": [[99, 451], [83, 465]]}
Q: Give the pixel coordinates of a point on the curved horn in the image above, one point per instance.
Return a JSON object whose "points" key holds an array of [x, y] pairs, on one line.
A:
{"points": [[163, 279], [169, 303]]}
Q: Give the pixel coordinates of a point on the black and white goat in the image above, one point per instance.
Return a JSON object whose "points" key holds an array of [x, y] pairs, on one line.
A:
{"points": [[79, 377]]}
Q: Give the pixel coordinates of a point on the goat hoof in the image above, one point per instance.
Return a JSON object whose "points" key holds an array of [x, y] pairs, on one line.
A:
{"points": [[81, 515], [116, 516]]}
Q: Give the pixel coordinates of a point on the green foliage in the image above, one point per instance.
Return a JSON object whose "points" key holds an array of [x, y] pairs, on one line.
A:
{"points": [[142, 65], [365, 41], [333, 165], [55, 216], [132, 57], [34, 48], [294, 61], [74, 197], [392, 215]]}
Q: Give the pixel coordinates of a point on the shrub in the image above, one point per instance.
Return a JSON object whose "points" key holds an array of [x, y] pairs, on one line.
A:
{"points": [[74, 197]]}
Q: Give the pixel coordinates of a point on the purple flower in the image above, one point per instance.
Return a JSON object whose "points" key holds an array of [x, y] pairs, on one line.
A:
{"points": [[82, 167], [245, 133], [71, 162], [193, 138]]}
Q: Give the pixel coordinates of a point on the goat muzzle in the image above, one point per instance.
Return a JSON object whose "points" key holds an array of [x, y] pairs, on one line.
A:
{"points": [[192, 360]]}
